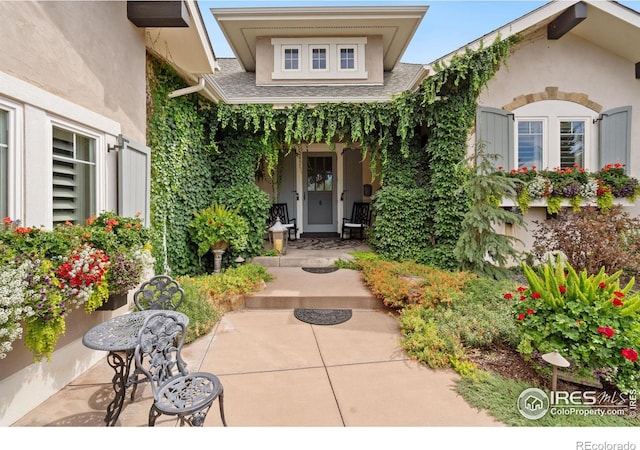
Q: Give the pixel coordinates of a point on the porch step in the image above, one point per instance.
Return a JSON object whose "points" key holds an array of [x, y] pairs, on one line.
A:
{"points": [[293, 288]]}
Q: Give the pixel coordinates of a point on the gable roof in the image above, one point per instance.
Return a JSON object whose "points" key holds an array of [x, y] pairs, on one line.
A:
{"points": [[237, 86], [242, 26], [608, 24]]}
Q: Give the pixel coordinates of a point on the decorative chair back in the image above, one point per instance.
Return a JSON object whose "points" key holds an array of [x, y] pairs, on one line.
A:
{"points": [[360, 213], [282, 211], [157, 352], [160, 292]]}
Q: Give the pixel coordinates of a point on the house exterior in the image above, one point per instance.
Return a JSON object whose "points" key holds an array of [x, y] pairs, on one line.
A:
{"points": [[318, 55], [568, 95], [72, 135]]}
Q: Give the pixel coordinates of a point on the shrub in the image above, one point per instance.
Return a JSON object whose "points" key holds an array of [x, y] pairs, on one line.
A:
{"points": [[590, 319], [591, 239], [400, 284]]}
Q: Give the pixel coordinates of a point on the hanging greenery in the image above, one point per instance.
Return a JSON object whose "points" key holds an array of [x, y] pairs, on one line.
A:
{"points": [[416, 142]]}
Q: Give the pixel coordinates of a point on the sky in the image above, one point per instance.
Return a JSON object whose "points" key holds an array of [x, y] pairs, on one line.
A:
{"points": [[447, 26]]}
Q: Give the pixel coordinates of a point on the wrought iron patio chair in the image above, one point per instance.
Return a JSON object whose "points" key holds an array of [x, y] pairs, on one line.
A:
{"points": [[176, 392], [160, 292], [280, 210], [358, 222]]}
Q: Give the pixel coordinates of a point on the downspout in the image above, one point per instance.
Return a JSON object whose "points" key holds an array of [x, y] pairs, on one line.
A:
{"points": [[188, 90]]}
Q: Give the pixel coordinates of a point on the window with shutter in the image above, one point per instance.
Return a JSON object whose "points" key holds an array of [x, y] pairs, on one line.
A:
{"points": [[74, 176], [4, 163]]}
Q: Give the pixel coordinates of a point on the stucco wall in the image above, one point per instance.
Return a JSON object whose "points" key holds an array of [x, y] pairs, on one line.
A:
{"points": [[85, 52], [579, 71], [80, 64]]}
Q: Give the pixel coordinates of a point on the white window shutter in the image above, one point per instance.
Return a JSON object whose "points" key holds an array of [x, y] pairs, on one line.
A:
{"points": [[134, 180]]}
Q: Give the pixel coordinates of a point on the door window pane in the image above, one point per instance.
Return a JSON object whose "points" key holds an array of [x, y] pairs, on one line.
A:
{"points": [[530, 141], [319, 174], [73, 177], [571, 143]]}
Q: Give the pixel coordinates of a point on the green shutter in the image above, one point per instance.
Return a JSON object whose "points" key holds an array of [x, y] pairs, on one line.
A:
{"points": [[134, 180], [615, 137], [494, 130]]}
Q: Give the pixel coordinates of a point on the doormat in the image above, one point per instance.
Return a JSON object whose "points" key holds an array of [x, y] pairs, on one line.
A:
{"points": [[322, 316], [320, 269]]}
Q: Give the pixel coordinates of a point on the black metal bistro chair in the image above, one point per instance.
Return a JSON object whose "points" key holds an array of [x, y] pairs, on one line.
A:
{"points": [[358, 222], [176, 392], [280, 210]]}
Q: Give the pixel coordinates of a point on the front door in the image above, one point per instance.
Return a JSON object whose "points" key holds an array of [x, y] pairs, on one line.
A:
{"points": [[320, 193]]}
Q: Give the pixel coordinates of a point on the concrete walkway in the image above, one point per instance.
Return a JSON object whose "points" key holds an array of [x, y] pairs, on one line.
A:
{"points": [[280, 372]]}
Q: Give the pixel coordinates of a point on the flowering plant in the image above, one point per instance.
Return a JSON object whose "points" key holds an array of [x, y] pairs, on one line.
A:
{"points": [[590, 319], [13, 287], [218, 224], [82, 277], [574, 184]]}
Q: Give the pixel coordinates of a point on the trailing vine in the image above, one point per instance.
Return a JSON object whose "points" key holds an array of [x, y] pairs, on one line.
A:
{"points": [[416, 141]]}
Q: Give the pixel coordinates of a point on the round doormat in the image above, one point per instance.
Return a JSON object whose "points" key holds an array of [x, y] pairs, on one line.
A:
{"points": [[322, 316], [320, 269]]}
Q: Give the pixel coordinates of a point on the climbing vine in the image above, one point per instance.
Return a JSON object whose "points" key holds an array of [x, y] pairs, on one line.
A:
{"points": [[415, 142]]}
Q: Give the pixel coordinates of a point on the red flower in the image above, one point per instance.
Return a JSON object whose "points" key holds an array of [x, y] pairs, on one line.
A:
{"points": [[523, 297], [607, 331], [630, 354], [578, 322], [521, 289], [535, 295], [530, 311], [520, 316], [562, 289], [617, 302], [7, 220], [602, 285], [508, 296], [618, 294]]}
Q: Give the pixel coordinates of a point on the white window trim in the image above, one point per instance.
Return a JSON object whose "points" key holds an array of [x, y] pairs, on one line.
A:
{"points": [[333, 58], [355, 58], [555, 111], [545, 140], [328, 60], [15, 155], [100, 192], [283, 59]]}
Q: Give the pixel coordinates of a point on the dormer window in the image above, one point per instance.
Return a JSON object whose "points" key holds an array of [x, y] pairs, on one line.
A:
{"points": [[319, 58], [291, 58]]}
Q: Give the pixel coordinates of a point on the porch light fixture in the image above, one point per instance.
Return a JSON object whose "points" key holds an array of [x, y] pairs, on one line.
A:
{"points": [[556, 360], [119, 145], [279, 235]]}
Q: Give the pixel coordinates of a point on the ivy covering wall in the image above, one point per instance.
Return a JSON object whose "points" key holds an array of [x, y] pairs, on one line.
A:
{"points": [[417, 143]]}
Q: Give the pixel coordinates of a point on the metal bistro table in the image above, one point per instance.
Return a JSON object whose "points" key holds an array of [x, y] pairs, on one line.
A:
{"points": [[120, 335]]}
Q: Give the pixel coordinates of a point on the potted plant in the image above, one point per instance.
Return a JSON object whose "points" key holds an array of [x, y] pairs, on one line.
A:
{"points": [[218, 227]]}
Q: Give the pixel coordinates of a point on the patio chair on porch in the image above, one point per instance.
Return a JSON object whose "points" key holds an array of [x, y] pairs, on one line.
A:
{"points": [[176, 392], [280, 210], [358, 222]]}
